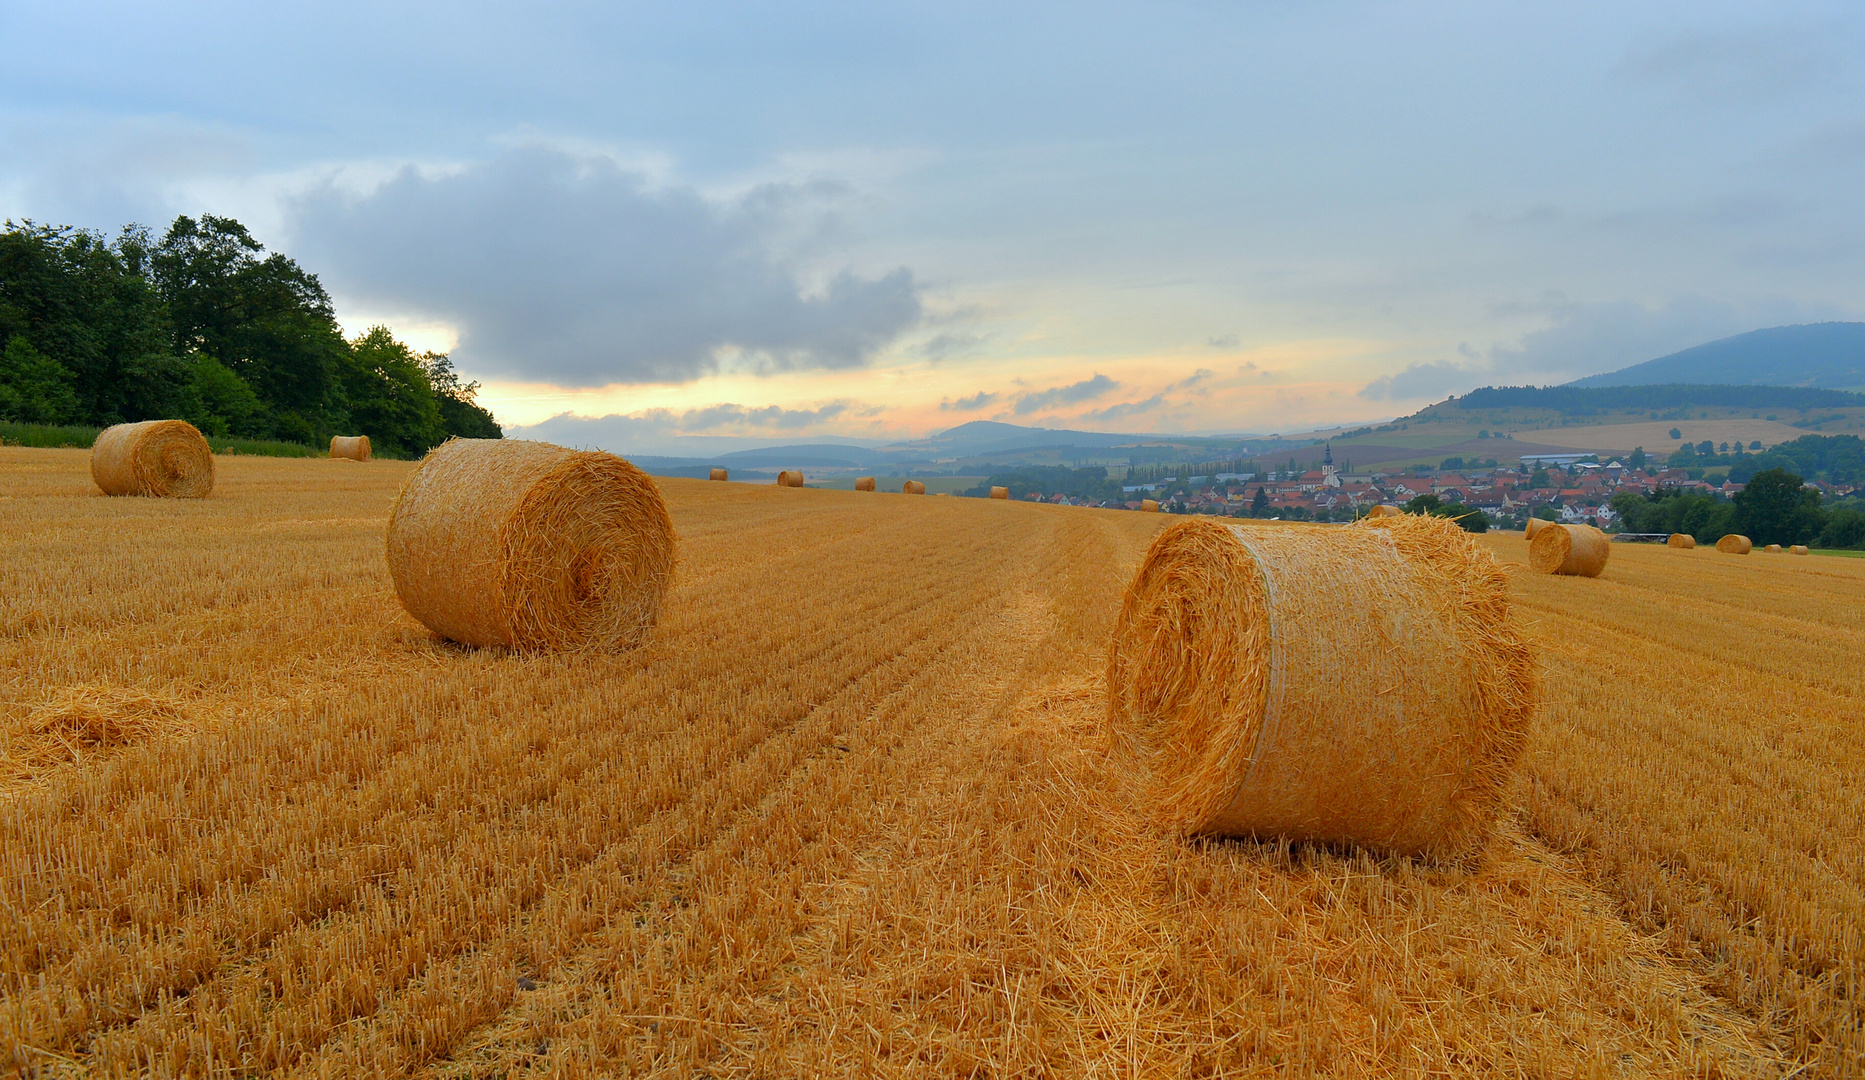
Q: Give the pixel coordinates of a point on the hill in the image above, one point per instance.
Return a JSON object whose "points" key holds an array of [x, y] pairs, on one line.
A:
{"points": [[1830, 355]]}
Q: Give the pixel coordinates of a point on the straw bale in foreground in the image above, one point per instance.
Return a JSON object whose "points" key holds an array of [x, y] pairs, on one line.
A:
{"points": [[1681, 540], [1797, 549], [1569, 550], [864, 483], [1000, 493], [1534, 526], [531, 546], [1384, 510], [350, 447], [1269, 675], [913, 487], [1735, 544], [790, 478], [1150, 506], [718, 474], [161, 458]]}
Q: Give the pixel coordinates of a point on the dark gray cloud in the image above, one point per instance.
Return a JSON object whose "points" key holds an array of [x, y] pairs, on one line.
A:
{"points": [[1222, 341], [575, 271], [1085, 390], [968, 404], [1420, 381]]}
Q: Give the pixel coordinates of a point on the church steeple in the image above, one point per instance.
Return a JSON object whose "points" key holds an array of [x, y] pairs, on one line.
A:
{"points": [[1327, 454]]}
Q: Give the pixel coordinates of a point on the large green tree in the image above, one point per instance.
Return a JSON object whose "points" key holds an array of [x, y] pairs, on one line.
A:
{"points": [[1776, 507]]}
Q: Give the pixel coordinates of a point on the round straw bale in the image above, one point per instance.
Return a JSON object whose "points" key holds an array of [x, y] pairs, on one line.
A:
{"points": [[1772, 549], [163, 458], [1681, 540], [790, 478], [913, 487], [1573, 550], [1362, 684], [531, 546], [1797, 549], [1149, 506], [1383, 510], [350, 447], [1000, 493], [718, 474], [864, 483], [1534, 526], [1735, 544]]}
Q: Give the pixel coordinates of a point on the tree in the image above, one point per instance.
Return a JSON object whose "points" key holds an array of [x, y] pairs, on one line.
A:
{"points": [[1637, 459], [1776, 507], [1540, 479], [1424, 504], [1676, 434], [1259, 503], [462, 415], [1844, 529], [34, 388], [388, 393]]}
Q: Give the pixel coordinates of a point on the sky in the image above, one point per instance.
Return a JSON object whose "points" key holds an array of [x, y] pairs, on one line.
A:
{"points": [[877, 220]]}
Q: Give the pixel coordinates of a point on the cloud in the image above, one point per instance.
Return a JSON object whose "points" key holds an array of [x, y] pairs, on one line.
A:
{"points": [[1419, 381], [1590, 338], [1085, 390], [1224, 341], [573, 270], [970, 404], [1753, 63], [1202, 375], [1125, 409], [946, 345]]}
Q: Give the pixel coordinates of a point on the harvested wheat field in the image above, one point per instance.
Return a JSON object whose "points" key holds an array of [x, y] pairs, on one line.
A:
{"points": [[255, 818]]}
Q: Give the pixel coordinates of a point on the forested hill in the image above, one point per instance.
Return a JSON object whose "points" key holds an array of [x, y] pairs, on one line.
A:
{"points": [[1585, 401], [205, 325], [1829, 355]]}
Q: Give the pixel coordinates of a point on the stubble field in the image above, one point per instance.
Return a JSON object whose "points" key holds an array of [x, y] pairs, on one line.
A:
{"points": [[850, 812]]}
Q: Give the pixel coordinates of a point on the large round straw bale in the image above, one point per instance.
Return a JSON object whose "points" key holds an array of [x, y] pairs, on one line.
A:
{"points": [[163, 458], [913, 487], [1149, 506], [1534, 526], [790, 478], [1735, 544], [1362, 684], [1383, 510], [1772, 549], [1573, 550], [350, 447], [864, 483], [1797, 549], [1000, 493], [531, 546], [718, 474], [1681, 540]]}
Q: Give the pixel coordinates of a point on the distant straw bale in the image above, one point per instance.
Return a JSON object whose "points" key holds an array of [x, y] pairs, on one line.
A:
{"points": [[1772, 549], [1534, 526], [1569, 550], [349, 447], [1000, 493], [502, 542], [1269, 678], [913, 487], [1149, 506], [718, 474], [1681, 540], [1797, 549], [1384, 510], [1735, 544], [161, 458], [864, 483], [790, 478]]}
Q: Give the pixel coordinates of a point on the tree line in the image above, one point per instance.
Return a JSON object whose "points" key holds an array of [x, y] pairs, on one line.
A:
{"points": [[1774, 507], [1591, 400], [203, 324]]}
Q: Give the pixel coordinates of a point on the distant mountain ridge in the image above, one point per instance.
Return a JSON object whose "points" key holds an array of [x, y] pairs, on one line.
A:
{"points": [[1828, 355]]}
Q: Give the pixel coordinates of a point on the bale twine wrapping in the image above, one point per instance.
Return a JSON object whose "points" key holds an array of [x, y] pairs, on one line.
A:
{"points": [[718, 474], [1360, 684], [1734, 544], [790, 478], [864, 483], [1569, 550], [1797, 549], [1149, 506], [1681, 540], [531, 546], [350, 447], [1384, 510], [1000, 493], [162, 458], [913, 487], [1534, 526]]}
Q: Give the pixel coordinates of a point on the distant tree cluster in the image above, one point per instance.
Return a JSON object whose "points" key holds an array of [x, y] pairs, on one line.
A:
{"points": [[1591, 400], [1775, 507], [204, 325]]}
